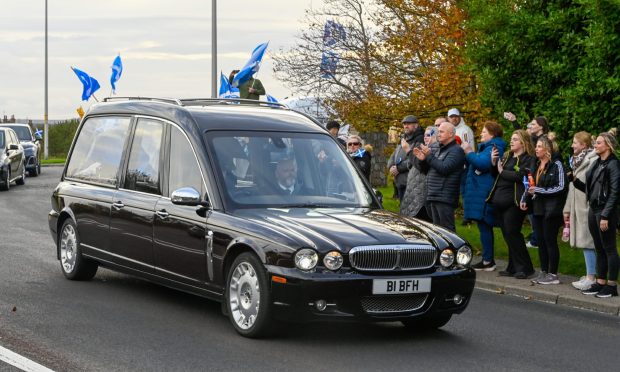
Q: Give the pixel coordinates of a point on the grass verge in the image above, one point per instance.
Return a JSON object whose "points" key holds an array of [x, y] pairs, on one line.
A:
{"points": [[53, 161]]}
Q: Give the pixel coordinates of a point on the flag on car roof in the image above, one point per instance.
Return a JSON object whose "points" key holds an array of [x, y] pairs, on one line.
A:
{"points": [[226, 91], [91, 85], [251, 66], [117, 71]]}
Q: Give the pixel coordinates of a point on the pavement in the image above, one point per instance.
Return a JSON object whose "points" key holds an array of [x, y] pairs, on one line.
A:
{"points": [[562, 294]]}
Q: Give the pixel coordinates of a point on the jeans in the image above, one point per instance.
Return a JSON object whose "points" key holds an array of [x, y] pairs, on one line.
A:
{"points": [[487, 240], [548, 250], [605, 245], [589, 254], [443, 215], [400, 190]]}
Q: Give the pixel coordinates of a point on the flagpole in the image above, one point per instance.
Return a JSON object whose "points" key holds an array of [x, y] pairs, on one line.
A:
{"points": [[45, 123]]}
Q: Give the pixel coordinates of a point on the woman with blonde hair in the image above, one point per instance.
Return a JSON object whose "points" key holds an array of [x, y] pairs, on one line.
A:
{"points": [[506, 195], [576, 207], [602, 187], [546, 198]]}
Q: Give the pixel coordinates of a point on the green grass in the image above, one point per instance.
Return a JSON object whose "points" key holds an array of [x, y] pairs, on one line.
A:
{"points": [[571, 259], [53, 161]]}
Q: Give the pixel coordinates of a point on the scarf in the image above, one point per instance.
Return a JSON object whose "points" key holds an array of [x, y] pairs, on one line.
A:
{"points": [[576, 160]]}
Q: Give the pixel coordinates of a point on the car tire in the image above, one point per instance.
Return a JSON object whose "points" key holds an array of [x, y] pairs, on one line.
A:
{"points": [[22, 180], [35, 171], [73, 265], [248, 297], [427, 323], [6, 182]]}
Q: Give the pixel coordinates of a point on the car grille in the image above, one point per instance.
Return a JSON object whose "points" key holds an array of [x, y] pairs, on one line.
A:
{"points": [[393, 304], [393, 257]]}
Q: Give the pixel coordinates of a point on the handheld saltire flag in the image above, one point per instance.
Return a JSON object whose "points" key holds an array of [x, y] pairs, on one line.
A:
{"points": [[251, 66], [117, 71], [91, 85], [271, 98], [80, 112], [224, 86], [38, 134]]}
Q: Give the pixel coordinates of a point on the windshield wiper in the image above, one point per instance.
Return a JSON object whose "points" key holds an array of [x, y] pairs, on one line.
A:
{"points": [[305, 205]]}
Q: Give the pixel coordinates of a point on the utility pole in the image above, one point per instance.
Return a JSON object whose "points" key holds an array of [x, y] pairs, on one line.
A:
{"points": [[213, 48]]}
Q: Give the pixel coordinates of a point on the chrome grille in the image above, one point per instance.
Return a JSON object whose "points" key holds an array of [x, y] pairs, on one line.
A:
{"points": [[393, 257], [393, 304]]}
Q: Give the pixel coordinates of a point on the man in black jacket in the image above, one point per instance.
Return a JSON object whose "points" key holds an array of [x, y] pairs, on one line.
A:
{"points": [[398, 164], [443, 180]]}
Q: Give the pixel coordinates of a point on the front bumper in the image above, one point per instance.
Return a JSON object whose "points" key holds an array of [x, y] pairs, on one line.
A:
{"points": [[348, 295]]}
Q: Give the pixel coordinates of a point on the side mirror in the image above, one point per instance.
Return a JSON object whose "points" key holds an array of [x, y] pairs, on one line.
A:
{"points": [[187, 196], [13, 147]]}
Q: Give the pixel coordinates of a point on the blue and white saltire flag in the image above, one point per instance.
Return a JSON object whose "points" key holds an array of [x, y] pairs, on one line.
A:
{"points": [[117, 71], [359, 153], [38, 133], [226, 91], [271, 98], [251, 67], [91, 85], [332, 33], [329, 62]]}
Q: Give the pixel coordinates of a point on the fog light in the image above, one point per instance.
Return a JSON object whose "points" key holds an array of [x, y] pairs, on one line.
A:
{"points": [[320, 305], [458, 299]]}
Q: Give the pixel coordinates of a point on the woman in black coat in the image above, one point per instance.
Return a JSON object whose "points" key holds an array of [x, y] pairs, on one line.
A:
{"points": [[602, 187], [360, 154], [507, 193], [546, 198]]}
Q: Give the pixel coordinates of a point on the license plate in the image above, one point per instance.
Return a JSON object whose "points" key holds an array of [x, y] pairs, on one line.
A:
{"points": [[399, 286]]}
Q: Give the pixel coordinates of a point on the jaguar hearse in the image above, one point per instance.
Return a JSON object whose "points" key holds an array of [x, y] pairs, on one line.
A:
{"points": [[228, 199]]}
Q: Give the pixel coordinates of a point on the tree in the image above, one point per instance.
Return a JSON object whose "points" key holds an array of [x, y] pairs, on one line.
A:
{"points": [[557, 58]]}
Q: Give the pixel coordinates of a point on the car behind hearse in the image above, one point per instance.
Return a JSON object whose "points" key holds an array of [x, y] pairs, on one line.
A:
{"points": [[227, 199]]}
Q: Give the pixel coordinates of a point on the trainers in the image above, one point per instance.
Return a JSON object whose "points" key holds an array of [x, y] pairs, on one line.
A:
{"points": [[607, 291], [594, 289], [583, 283], [530, 245], [540, 276], [481, 266], [549, 279]]}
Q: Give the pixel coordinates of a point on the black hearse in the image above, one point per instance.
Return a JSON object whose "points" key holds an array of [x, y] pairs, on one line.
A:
{"points": [[229, 200]]}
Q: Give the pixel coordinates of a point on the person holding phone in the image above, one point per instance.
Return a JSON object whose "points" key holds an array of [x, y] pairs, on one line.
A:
{"points": [[507, 193], [478, 184]]}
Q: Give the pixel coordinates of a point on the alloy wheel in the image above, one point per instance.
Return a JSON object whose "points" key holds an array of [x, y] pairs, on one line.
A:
{"points": [[68, 248], [244, 295]]}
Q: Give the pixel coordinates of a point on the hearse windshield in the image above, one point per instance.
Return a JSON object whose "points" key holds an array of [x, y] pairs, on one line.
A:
{"points": [[286, 170]]}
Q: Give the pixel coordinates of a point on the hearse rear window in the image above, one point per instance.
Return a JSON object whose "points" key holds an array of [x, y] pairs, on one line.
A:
{"points": [[98, 149]]}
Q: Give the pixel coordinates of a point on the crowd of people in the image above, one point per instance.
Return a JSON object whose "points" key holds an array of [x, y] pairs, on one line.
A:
{"points": [[499, 184]]}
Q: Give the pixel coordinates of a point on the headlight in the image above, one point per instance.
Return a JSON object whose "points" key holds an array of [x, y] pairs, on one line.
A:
{"points": [[306, 259], [463, 255], [333, 260], [446, 258]]}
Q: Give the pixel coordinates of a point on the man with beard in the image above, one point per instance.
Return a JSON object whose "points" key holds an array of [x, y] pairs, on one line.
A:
{"points": [[398, 164]]}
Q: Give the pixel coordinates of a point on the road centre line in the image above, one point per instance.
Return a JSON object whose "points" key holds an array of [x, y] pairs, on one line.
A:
{"points": [[21, 362]]}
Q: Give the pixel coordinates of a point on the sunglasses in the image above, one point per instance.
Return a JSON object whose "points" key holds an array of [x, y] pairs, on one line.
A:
{"points": [[353, 144]]}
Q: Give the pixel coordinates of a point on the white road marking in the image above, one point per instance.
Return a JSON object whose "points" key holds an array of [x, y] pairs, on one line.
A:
{"points": [[21, 362]]}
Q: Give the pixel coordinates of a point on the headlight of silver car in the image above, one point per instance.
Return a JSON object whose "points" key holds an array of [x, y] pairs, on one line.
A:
{"points": [[333, 260], [464, 255], [306, 259], [446, 258]]}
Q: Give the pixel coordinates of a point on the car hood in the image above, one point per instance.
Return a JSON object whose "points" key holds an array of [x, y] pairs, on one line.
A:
{"points": [[27, 144], [345, 228]]}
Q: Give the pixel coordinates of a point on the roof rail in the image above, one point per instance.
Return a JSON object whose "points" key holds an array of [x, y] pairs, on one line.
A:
{"points": [[201, 101], [228, 101], [166, 100]]}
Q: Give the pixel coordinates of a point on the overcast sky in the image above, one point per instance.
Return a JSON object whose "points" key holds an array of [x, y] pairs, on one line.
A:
{"points": [[165, 47]]}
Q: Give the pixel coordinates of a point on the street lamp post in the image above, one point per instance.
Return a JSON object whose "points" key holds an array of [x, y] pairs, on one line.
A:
{"points": [[45, 125], [213, 48]]}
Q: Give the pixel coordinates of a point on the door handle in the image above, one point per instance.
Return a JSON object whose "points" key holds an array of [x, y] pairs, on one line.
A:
{"points": [[118, 205], [162, 214]]}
